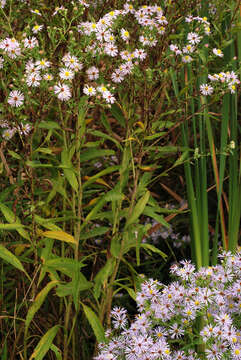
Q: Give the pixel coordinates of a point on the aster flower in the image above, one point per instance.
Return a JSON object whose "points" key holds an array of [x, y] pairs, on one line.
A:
{"points": [[62, 91], [188, 49], [125, 35], [187, 59], [89, 90], [193, 38], [8, 133], [140, 54], [116, 76], [218, 52], [42, 64], [206, 89], [2, 3], [16, 98], [48, 77], [110, 99], [111, 49], [66, 74], [33, 79], [25, 129], [14, 52], [37, 28], [93, 73], [30, 43], [36, 11], [57, 9]]}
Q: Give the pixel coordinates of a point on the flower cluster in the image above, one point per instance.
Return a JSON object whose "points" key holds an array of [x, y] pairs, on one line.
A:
{"points": [[228, 79], [9, 130], [193, 38], [166, 324]]}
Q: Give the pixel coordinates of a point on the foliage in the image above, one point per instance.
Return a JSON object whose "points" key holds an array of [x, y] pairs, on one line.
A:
{"points": [[102, 106]]}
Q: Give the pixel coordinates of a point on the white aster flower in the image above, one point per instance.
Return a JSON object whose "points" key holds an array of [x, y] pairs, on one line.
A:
{"points": [[93, 73], [117, 77], [206, 89], [48, 77], [37, 28], [33, 79], [62, 91], [125, 35], [110, 99], [25, 129], [66, 74], [102, 89], [16, 98], [162, 20], [89, 90], [57, 9], [140, 54], [8, 133], [2, 3], [36, 11], [71, 61], [187, 59], [232, 88], [188, 49], [175, 49], [42, 64], [13, 53], [193, 38], [218, 52], [161, 30], [30, 43], [111, 49]]}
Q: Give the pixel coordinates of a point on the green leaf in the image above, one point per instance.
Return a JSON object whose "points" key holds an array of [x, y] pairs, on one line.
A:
{"points": [[103, 275], [14, 155], [44, 150], [46, 223], [38, 301], [95, 323], [152, 248], [115, 246], [50, 125], [38, 164], [69, 170], [155, 136], [12, 218], [149, 211], [60, 235], [57, 352], [74, 287], [105, 136], [118, 114], [13, 226], [91, 154], [106, 171], [138, 209], [66, 265], [12, 259], [93, 233], [45, 343]]}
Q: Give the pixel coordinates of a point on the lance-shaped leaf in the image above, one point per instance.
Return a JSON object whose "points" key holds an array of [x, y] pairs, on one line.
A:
{"points": [[138, 209], [12, 218], [95, 323], [11, 259], [69, 170], [60, 235], [38, 301], [45, 343]]}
